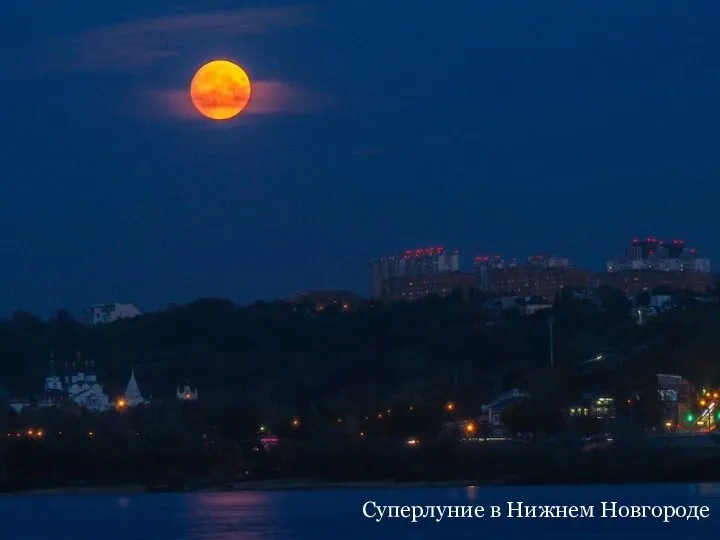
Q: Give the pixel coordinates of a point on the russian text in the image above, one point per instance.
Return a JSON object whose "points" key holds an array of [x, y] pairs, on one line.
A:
{"points": [[415, 513]]}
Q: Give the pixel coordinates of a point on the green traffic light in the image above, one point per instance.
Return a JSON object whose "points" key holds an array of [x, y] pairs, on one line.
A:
{"points": [[690, 418]]}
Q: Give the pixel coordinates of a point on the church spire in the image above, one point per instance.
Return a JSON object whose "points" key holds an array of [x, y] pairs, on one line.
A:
{"points": [[52, 371], [132, 392]]}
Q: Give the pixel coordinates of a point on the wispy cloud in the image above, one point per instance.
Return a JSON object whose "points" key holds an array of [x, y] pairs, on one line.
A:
{"points": [[268, 98], [132, 45]]}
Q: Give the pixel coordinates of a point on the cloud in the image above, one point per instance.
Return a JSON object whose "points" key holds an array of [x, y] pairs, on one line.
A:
{"points": [[132, 45], [270, 97]]}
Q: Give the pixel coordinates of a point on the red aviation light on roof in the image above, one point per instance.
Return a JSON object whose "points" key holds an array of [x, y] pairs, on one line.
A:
{"points": [[424, 252], [679, 242]]}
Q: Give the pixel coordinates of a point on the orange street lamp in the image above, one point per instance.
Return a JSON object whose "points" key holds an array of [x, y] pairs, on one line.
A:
{"points": [[449, 406], [470, 428]]}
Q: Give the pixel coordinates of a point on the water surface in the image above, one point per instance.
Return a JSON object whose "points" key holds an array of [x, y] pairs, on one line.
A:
{"points": [[338, 514]]}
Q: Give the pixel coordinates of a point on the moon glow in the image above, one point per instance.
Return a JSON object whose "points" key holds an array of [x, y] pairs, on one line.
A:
{"points": [[220, 90]]}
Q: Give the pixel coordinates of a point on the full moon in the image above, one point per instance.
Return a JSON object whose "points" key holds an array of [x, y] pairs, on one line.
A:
{"points": [[220, 90]]}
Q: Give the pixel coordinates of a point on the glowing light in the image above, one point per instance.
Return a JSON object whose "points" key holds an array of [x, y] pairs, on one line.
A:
{"points": [[220, 90], [470, 427], [296, 422], [449, 406], [362, 434], [412, 442], [702, 402]]}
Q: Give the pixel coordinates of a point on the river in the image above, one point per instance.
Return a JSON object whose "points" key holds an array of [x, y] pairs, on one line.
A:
{"points": [[338, 514]]}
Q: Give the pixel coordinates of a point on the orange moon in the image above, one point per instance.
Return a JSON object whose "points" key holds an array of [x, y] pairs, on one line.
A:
{"points": [[220, 90]]}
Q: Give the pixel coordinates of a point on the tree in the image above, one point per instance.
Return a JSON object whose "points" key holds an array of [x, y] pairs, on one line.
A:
{"points": [[616, 303]]}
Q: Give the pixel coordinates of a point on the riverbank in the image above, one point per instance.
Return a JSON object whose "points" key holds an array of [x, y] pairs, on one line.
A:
{"points": [[289, 484], [82, 490], [304, 484]]}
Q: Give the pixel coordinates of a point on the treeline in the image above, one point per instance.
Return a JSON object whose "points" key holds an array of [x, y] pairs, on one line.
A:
{"points": [[290, 359]]}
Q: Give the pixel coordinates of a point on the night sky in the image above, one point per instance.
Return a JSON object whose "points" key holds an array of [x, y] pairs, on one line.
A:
{"points": [[492, 126]]}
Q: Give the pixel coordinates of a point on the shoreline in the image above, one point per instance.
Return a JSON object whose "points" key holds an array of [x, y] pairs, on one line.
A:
{"points": [[300, 484], [309, 484], [259, 485]]}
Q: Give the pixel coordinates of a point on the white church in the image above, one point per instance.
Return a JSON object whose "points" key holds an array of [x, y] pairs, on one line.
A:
{"points": [[188, 393], [80, 387], [132, 396]]}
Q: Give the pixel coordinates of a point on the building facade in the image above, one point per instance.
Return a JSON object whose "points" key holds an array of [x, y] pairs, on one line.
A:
{"points": [[653, 254], [652, 263], [441, 284], [415, 273], [542, 275], [632, 282]]}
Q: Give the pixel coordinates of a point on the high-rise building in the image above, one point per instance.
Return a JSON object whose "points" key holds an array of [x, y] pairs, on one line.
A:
{"points": [[413, 273], [652, 263], [658, 255]]}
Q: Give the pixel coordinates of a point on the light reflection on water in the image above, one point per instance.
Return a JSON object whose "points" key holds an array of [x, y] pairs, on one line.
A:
{"points": [[232, 516], [707, 489]]}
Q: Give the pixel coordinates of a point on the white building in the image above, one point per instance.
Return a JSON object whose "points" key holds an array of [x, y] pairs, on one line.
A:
{"points": [[132, 396], [188, 393], [83, 388], [107, 313], [78, 386]]}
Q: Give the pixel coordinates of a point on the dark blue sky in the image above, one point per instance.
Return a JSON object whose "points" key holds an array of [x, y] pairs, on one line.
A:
{"points": [[492, 126]]}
